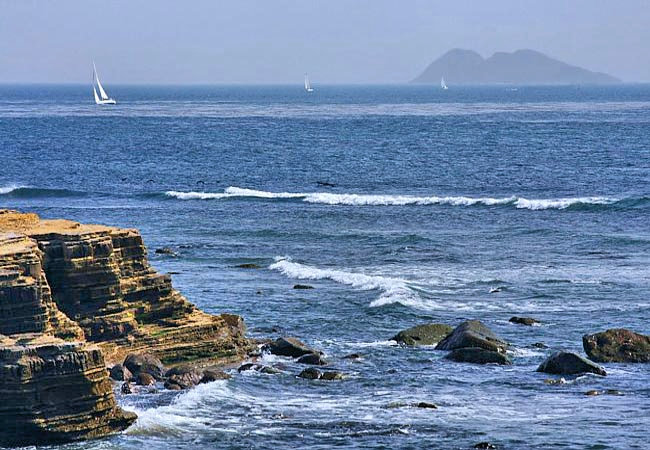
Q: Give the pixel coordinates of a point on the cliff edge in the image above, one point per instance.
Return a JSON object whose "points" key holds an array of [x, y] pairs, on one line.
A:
{"points": [[73, 297]]}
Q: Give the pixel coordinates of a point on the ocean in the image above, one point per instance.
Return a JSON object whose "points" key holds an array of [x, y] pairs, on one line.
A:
{"points": [[400, 205]]}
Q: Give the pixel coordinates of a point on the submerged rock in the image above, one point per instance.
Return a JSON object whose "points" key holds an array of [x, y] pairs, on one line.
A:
{"points": [[310, 373], [248, 266], [524, 320], [478, 355], [165, 251], [332, 375], [485, 445], [258, 368], [138, 363], [569, 363], [353, 356], [472, 333], [425, 334], [302, 286], [617, 345], [313, 359], [288, 346]]}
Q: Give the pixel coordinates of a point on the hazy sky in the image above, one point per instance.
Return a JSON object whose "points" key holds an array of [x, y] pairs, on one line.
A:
{"points": [[276, 41]]}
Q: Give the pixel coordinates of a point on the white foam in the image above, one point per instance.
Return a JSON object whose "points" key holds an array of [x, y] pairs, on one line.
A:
{"points": [[9, 189], [562, 203], [393, 290], [328, 198]]}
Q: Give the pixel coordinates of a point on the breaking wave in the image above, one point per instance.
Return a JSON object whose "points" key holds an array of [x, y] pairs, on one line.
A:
{"points": [[393, 290], [18, 191], [404, 200]]}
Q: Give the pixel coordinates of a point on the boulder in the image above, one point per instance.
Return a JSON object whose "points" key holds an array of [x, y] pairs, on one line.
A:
{"points": [[524, 320], [331, 376], [310, 373], [473, 333], [478, 355], [183, 376], [210, 375], [288, 346], [138, 363], [617, 345], [426, 334], [312, 358], [569, 363], [120, 373], [144, 379]]}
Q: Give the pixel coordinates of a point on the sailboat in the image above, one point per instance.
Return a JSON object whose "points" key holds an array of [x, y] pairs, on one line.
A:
{"points": [[102, 98], [442, 83], [308, 87]]}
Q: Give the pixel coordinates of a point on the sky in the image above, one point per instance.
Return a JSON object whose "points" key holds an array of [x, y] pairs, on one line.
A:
{"points": [[277, 41]]}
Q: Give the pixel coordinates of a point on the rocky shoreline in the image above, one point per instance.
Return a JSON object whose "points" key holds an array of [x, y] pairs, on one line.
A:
{"points": [[80, 306], [75, 298]]}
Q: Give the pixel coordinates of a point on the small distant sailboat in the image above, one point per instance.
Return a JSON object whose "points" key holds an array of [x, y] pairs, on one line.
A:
{"points": [[443, 84], [102, 98], [308, 87]]}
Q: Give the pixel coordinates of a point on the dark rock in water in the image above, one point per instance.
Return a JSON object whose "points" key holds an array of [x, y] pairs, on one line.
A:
{"points": [[352, 356], [126, 388], [287, 346], [172, 386], [485, 445], [593, 392], [144, 379], [331, 376], [617, 345], [472, 333], [426, 334], [120, 373], [210, 375], [258, 368], [539, 345], [313, 359], [302, 286], [247, 366], [613, 392], [183, 376], [310, 374], [478, 355], [165, 251], [569, 363], [425, 405], [325, 183], [248, 266], [144, 363], [524, 320]]}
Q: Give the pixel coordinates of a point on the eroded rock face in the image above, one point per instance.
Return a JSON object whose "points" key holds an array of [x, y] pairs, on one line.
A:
{"points": [[569, 363], [62, 284], [473, 333], [617, 345], [425, 334], [55, 391]]}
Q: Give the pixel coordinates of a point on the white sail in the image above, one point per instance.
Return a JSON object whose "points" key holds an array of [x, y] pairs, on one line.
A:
{"points": [[308, 87], [104, 100], [442, 83]]}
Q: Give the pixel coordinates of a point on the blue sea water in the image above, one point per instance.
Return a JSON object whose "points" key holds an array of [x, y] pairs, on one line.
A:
{"points": [[400, 205]]}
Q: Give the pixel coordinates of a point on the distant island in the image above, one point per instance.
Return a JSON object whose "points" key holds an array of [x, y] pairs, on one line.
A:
{"points": [[460, 66]]}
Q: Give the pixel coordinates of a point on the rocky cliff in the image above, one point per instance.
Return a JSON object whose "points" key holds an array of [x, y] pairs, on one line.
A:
{"points": [[73, 296]]}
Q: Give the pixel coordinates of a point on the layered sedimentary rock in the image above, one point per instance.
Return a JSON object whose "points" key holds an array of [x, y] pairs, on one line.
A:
{"points": [[55, 391], [73, 296]]}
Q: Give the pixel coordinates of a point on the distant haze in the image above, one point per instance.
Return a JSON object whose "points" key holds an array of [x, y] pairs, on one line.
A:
{"points": [[335, 41]]}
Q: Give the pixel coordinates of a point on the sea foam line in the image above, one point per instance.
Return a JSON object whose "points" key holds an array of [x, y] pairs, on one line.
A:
{"points": [[395, 200], [393, 290]]}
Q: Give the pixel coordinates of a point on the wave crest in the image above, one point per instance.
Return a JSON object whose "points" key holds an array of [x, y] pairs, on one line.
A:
{"points": [[328, 198]]}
